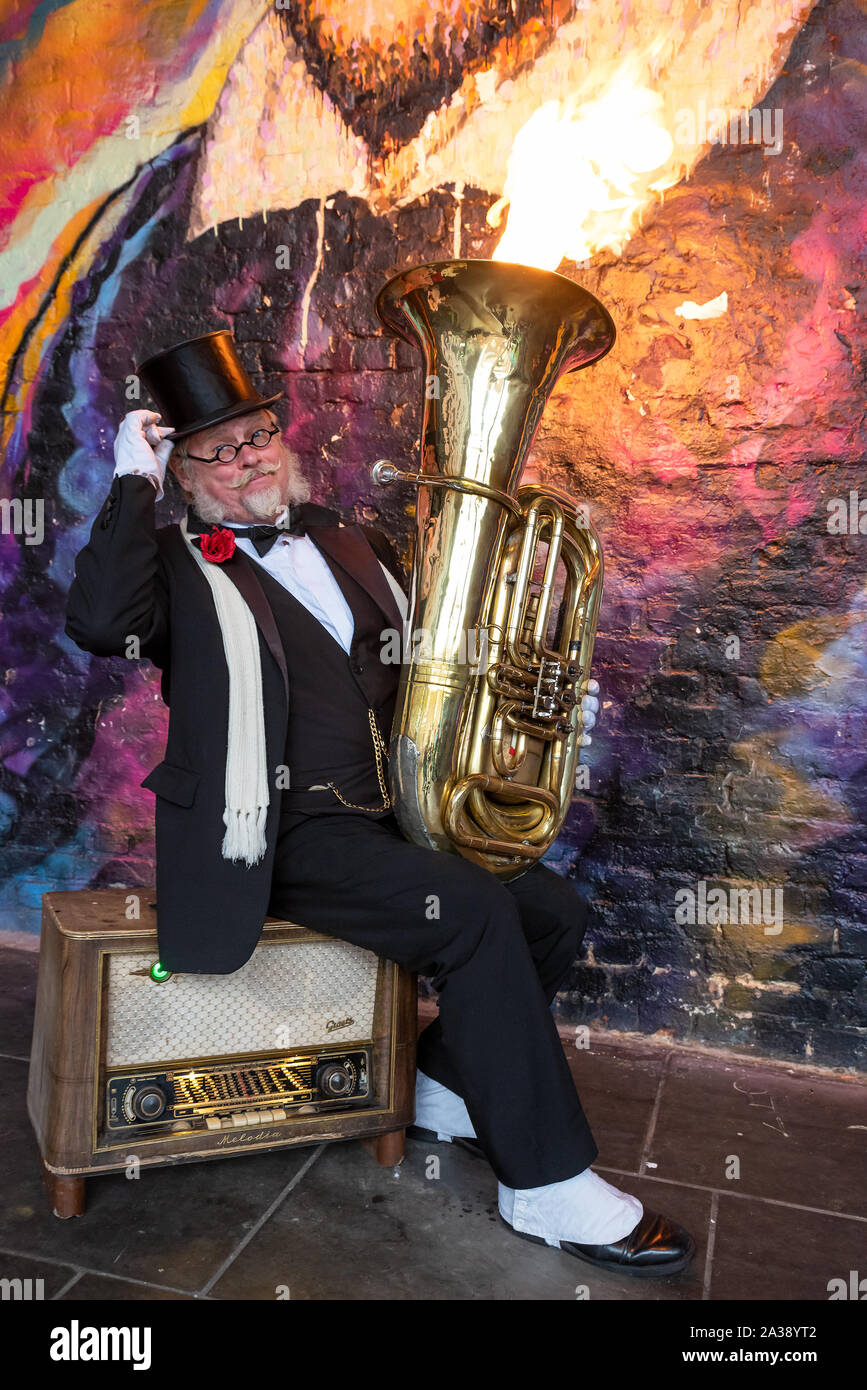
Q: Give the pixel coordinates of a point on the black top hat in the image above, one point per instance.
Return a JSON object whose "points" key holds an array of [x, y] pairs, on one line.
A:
{"points": [[201, 382]]}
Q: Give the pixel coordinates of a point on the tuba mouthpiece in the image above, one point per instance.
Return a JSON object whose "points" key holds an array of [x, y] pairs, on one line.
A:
{"points": [[383, 471]]}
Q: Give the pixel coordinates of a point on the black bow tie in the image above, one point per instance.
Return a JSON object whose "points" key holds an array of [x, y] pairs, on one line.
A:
{"points": [[297, 520]]}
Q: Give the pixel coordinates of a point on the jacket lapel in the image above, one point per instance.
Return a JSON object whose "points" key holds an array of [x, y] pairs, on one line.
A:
{"points": [[350, 549]]}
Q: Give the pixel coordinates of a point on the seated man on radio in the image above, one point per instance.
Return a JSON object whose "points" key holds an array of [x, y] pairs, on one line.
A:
{"points": [[265, 614]]}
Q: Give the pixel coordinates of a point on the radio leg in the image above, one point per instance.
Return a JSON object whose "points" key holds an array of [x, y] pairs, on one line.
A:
{"points": [[66, 1195], [387, 1149]]}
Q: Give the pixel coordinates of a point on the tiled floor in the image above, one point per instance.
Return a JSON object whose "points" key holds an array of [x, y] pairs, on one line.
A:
{"points": [[763, 1162]]}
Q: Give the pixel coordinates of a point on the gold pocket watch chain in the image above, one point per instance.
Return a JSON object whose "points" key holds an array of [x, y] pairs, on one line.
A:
{"points": [[379, 749]]}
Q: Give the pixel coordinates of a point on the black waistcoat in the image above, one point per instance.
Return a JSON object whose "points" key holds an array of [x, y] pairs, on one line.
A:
{"points": [[328, 737]]}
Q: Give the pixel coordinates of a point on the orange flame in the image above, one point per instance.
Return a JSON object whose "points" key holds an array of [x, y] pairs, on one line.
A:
{"points": [[579, 179]]}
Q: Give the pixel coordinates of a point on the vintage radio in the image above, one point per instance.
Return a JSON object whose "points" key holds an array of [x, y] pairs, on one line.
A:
{"points": [[312, 1039]]}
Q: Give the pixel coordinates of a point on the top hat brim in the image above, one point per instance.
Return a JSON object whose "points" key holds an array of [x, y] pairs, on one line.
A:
{"points": [[205, 422]]}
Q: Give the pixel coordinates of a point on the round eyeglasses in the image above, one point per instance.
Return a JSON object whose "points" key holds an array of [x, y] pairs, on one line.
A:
{"points": [[260, 439]]}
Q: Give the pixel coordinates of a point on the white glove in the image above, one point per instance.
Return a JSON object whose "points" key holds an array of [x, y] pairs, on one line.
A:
{"points": [[139, 447], [589, 711]]}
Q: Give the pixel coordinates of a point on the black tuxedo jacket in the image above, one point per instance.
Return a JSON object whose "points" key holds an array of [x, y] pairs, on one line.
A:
{"points": [[132, 580]]}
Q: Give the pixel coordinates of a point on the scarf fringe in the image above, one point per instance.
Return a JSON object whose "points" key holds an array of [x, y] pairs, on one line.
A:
{"points": [[245, 835]]}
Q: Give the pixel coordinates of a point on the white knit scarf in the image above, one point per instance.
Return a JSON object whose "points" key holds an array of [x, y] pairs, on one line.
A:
{"points": [[247, 793]]}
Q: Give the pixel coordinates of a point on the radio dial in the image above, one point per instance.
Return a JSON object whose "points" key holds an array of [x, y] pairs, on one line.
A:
{"points": [[336, 1078], [148, 1103]]}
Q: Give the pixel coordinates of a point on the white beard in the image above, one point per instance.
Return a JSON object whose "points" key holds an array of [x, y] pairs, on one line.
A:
{"points": [[265, 502]]}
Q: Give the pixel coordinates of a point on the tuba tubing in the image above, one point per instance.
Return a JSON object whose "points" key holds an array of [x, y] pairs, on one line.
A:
{"points": [[487, 724]]}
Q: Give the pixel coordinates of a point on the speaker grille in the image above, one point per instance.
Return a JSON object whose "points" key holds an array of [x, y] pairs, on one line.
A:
{"points": [[284, 997]]}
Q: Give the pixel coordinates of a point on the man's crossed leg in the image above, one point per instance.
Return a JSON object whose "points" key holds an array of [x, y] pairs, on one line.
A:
{"points": [[492, 1064]]}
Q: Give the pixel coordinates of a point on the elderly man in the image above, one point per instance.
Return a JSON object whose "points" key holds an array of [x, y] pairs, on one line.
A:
{"points": [[265, 614]]}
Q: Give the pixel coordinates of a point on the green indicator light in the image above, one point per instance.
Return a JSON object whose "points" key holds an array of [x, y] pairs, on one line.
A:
{"points": [[159, 974]]}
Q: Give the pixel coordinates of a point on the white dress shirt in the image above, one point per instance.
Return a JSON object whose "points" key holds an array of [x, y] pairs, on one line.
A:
{"points": [[297, 564]]}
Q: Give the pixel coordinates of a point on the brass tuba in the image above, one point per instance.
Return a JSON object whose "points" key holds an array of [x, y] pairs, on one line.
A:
{"points": [[487, 725]]}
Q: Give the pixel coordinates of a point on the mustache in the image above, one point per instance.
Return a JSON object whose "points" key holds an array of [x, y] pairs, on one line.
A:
{"points": [[250, 473]]}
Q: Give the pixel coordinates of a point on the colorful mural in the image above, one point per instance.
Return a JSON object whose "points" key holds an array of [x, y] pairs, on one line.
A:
{"points": [[170, 168]]}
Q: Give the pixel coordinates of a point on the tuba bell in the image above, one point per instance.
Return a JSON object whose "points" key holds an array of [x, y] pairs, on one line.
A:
{"points": [[487, 725]]}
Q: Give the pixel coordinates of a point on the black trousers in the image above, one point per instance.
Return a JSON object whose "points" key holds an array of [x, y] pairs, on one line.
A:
{"points": [[496, 953]]}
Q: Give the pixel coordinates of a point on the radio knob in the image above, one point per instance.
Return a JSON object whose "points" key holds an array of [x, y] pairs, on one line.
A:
{"points": [[335, 1079], [148, 1103]]}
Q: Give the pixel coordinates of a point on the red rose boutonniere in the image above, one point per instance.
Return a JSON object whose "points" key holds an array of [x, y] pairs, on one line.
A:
{"points": [[218, 545]]}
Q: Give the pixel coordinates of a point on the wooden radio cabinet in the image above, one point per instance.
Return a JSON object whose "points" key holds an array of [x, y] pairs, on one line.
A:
{"points": [[312, 1039]]}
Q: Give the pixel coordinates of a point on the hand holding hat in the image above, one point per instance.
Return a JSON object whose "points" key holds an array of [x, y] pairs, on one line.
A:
{"points": [[140, 447]]}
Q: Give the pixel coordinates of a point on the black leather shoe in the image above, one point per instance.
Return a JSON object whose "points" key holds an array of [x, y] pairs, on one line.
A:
{"points": [[430, 1137], [655, 1247]]}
